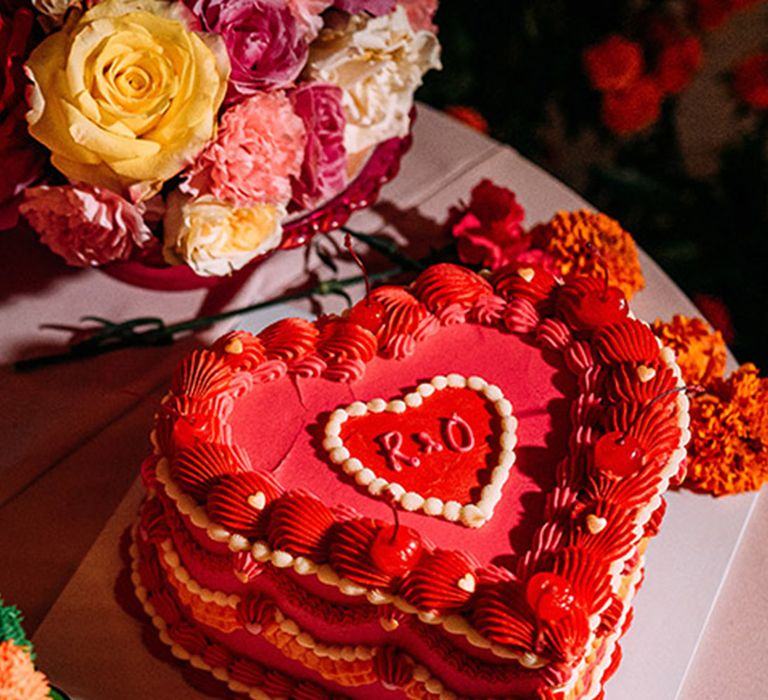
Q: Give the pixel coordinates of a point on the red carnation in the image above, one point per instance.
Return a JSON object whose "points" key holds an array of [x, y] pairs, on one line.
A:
{"points": [[21, 159], [750, 81], [613, 64], [489, 231], [678, 63], [631, 110]]}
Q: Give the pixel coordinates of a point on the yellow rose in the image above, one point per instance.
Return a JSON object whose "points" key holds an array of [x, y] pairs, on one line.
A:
{"points": [[215, 238], [125, 96]]}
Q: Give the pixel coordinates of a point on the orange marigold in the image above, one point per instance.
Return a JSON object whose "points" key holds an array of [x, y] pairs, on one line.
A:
{"points": [[18, 678], [613, 64], [566, 240], [700, 350], [728, 452]]}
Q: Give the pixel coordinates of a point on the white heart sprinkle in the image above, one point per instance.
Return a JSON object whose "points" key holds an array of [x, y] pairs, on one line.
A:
{"points": [[257, 500], [527, 273], [467, 583], [645, 374], [595, 523], [234, 346]]}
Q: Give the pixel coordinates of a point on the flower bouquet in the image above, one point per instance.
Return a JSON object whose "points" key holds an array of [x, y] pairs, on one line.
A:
{"points": [[204, 133]]}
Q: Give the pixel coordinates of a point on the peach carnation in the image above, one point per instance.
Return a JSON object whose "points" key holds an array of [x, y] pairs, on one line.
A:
{"points": [[86, 225], [700, 350], [18, 678], [728, 452], [583, 242], [259, 147]]}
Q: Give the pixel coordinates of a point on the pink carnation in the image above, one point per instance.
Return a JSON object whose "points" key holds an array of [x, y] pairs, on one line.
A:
{"points": [[323, 171], [267, 45], [85, 225], [420, 14], [489, 231], [259, 147]]}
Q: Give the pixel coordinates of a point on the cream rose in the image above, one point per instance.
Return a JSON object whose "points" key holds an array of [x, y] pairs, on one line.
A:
{"points": [[126, 96], [378, 63], [215, 238]]}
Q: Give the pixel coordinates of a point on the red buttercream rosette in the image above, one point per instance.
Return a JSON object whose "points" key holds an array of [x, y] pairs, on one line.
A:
{"points": [[238, 501], [299, 524], [197, 469], [289, 339]]}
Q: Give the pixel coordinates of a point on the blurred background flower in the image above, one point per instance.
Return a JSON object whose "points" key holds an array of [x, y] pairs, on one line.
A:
{"points": [[656, 112]]}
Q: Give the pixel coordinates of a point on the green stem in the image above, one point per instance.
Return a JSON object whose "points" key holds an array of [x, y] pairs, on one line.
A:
{"points": [[387, 248], [116, 336]]}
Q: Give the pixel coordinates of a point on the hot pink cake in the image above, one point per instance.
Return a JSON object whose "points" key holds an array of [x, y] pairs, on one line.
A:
{"points": [[445, 493]]}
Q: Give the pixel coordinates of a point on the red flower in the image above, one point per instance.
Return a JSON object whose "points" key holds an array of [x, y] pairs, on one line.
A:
{"points": [[711, 14], [489, 231], [470, 116], [750, 81], [21, 159], [613, 64], [678, 63], [632, 110], [717, 313]]}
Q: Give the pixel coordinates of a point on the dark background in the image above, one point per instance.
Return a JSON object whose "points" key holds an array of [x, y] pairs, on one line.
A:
{"points": [[692, 187]]}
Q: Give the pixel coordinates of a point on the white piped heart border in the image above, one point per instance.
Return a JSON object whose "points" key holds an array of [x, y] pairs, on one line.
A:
{"points": [[469, 514]]}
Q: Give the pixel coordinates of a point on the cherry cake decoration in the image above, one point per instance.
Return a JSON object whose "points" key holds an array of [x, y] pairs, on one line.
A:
{"points": [[454, 505]]}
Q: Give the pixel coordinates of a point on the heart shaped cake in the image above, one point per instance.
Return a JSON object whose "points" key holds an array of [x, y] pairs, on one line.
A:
{"points": [[445, 493]]}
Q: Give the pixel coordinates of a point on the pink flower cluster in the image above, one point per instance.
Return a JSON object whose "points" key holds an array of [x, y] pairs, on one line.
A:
{"points": [[276, 141], [489, 230]]}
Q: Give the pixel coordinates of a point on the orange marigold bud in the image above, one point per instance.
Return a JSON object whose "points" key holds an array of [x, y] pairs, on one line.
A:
{"points": [[678, 63], [728, 452], [613, 64], [633, 109], [585, 242], [700, 350], [750, 81]]}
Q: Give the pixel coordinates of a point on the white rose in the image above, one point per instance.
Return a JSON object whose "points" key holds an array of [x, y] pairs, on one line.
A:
{"points": [[378, 63], [214, 238]]}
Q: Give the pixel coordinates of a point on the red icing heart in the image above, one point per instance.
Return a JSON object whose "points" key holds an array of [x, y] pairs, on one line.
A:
{"points": [[445, 449]]}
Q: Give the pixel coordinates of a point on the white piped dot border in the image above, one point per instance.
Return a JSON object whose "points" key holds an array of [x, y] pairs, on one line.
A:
{"points": [[468, 514]]}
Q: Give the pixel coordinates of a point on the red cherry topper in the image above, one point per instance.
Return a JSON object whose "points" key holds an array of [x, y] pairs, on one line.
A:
{"points": [[550, 596], [395, 549], [594, 309], [367, 313], [619, 454]]}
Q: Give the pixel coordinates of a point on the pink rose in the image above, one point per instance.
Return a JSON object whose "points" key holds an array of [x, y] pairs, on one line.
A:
{"points": [[372, 7], [266, 44], [21, 158], [489, 231], [259, 148], [85, 225], [323, 171]]}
